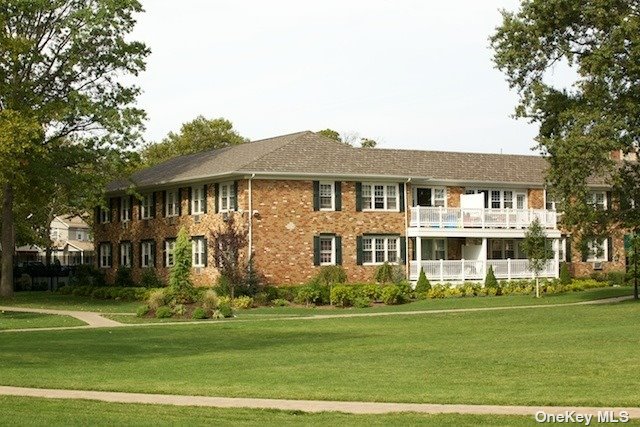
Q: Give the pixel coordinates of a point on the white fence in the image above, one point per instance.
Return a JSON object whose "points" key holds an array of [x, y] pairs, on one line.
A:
{"points": [[439, 217], [461, 270]]}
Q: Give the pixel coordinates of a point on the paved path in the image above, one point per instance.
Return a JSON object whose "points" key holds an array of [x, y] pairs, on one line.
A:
{"points": [[96, 320], [302, 405]]}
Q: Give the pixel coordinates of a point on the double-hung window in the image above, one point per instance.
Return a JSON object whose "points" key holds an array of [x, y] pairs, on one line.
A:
{"points": [[384, 197], [327, 250], [377, 250], [125, 209], [227, 196], [169, 247], [147, 254], [327, 196], [171, 207], [105, 255], [597, 250], [198, 200], [125, 254], [598, 200], [439, 197], [105, 215], [198, 250], [147, 206]]}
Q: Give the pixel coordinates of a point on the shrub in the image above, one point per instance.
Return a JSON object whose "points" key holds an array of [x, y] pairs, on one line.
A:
{"points": [[64, 290], [598, 276], [142, 310], [224, 311], [423, 285], [199, 313], [224, 300], [150, 279], [398, 274], [209, 300], [371, 292], [288, 293], [123, 278], [392, 295], [157, 299], [180, 274], [384, 273], [179, 309], [616, 278], [453, 291], [279, 302], [87, 275], [565, 276], [405, 289], [313, 293], [490, 292], [361, 302], [331, 275], [163, 312], [490, 281], [437, 291], [470, 289], [242, 302], [342, 296], [271, 292]]}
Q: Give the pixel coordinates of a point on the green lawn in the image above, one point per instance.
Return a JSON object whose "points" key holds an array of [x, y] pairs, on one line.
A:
{"points": [[574, 355], [68, 302], [15, 320], [56, 412]]}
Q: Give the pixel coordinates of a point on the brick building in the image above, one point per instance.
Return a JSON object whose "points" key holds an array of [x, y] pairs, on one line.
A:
{"points": [[307, 201]]}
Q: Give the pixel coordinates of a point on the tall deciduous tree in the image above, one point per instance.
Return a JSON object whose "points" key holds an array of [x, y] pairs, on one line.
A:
{"points": [[200, 134], [349, 138], [65, 115], [536, 246], [580, 126]]}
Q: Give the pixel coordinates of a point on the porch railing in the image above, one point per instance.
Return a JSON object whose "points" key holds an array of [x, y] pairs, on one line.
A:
{"points": [[461, 270], [440, 217]]}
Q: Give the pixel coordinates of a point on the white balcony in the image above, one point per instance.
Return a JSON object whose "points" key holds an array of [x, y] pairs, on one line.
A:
{"points": [[460, 218], [461, 270]]}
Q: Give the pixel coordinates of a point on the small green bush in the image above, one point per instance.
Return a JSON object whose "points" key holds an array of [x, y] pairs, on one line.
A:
{"points": [[313, 294], [616, 278], [370, 291], [199, 313], [470, 289], [224, 311], [453, 292], [384, 273], [490, 281], [242, 302], [179, 309], [565, 276], [437, 291], [164, 312], [490, 292], [279, 302], [157, 299], [124, 278], [65, 290], [150, 279], [405, 289], [331, 275], [142, 310], [209, 300], [288, 293], [342, 296], [392, 295], [423, 285], [361, 302]]}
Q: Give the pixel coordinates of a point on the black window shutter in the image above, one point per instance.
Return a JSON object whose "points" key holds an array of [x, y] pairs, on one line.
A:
{"points": [[179, 196], [190, 197], [338, 187], [316, 195], [111, 254], [206, 252], [403, 249], [401, 190], [486, 199], [114, 206], [139, 208], [316, 250], [608, 196], [568, 250], [216, 197], [131, 207], [163, 209], [96, 212], [235, 192], [338, 250], [610, 249], [359, 252], [116, 255], [140, 254], [153, 204], [164, 253], [204, 196], [358, 196], [585, 253], [153, 253]]}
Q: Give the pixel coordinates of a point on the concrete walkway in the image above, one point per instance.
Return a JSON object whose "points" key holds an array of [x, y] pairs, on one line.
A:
{"points": [[303, 405], [92, 319]]}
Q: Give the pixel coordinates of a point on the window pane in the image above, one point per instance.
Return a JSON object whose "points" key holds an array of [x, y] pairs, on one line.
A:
{"points": [[391, 197], [366, 197], [326, 193], [508, 199], [367, 250], [378, 192], [326, 250], [495, 199], [392, 250], [379, 252]]}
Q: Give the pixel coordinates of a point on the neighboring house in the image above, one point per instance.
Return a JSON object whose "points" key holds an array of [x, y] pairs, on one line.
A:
{"points": [[307, 201], [72, 242]]}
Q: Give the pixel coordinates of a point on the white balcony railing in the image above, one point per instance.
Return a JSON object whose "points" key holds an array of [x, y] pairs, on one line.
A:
{"points": [[440, 217], [461, 270]]}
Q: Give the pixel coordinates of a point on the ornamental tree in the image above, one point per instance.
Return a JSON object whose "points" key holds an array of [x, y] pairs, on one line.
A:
{"points": [[535, 246]]}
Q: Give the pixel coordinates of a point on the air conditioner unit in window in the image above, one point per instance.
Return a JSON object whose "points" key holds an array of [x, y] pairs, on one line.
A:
{"points": [[196, 219], [597, 265]]}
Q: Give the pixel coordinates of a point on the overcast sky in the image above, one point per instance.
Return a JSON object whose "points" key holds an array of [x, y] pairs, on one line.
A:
{"points": [[409, 74]]}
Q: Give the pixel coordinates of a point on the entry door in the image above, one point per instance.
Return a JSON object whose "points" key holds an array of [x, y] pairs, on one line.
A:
{"points": [[423, 197]]}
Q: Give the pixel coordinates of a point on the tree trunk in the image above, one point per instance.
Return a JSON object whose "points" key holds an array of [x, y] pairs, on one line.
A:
{"points": [[537, 287], [8, 242]]}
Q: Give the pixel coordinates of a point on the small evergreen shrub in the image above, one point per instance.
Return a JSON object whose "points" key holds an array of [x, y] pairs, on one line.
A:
{"points": [[490, 281], [405, 289], [398, 274], [150, 279], [392, 295], [123, 278], [242, 303], [361, 302], [182, 289], [331, 275], [342, 296], [142, 310], [437, 291], [313, 294], [199, 313], [371, 292], [163, 312], [423, 285], [288, 293], [279, 302], [565, 276], [616, 278], [384, 273], [224, 311]]}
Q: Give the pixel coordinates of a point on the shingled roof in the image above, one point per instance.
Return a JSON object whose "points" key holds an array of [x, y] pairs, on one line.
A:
{"points": [[310, 154]]}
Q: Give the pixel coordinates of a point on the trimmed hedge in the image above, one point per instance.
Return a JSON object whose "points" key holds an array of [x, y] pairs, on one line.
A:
{"points": [[106, 292]]}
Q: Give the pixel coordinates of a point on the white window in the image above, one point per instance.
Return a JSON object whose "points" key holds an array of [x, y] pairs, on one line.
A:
{"points": [[55, 234], [549, 202], [197, 200], [598, 200], [146, 206], [125, 254], [79, 235], [105, 215], [507, 202], [380, 197], [147, 254], [433, 249], [439, 197], [125, 209], [597, 250], [501, 199], [327, 250], [171, 207], [169, 247], [327, 196], [198, 252], [227, 196], [376, 250], [105, 255]]}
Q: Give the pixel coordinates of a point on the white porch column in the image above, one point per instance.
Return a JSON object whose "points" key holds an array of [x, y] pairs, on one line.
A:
{"points": [[419, 255], [556, 258], [81, 257], [483, 257]]}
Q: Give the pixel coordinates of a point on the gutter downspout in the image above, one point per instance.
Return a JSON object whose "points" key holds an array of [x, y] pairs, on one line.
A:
{"points": [[406, 228], [250, 248]]}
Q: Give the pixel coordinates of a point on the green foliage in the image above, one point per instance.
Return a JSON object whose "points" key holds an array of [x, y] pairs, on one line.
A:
{"points": [[179, 310], [199, 313], [224, 311], [288, 293], [142, 310], [437, 291], [124, 279], [565, 275], [331, 134], [384, 273], [536, 246], [164, 312], [372, 292], [279, 302], [106, 292], [200, 134], [157, 298], [618, 278], [331, 275], [490, 281], [361, 302], [87, 275], [313, 293], [209, 300], [391, 295], [453, 292], [150, 279], [423, 285], [242, 302], [180, 284], [343, 296]]}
